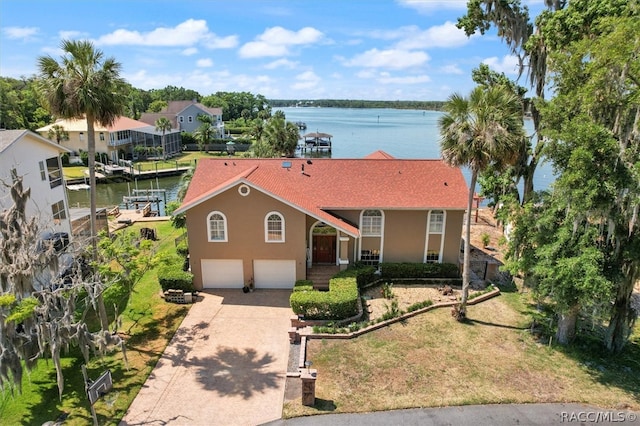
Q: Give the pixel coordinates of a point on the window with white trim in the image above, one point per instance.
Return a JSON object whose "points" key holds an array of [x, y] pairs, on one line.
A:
{"points": [[181, 119], [436, 222], [43, 172], [190, 119], [274, 228], [59, 212], [433, 256], [217, 227], [81, 136], [371, 223], [54, 169]]}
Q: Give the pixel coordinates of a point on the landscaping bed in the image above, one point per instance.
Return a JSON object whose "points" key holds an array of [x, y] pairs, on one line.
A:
{"points": [[406, 295]]}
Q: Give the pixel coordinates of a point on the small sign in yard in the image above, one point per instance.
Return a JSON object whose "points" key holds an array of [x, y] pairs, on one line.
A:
{"points": [[99, 387]]}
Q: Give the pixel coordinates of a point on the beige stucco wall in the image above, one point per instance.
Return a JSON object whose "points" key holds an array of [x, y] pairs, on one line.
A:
{"points": [[405, 233], [75, 144], [245, 232], [404, 236], [453, 234]]}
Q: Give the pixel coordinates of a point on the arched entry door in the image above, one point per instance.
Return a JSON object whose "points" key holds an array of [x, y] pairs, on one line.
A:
{"points": [[323, 244]]}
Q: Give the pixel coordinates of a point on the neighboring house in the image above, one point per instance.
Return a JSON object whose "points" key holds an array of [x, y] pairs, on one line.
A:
{"points": [[37, 161], [125, 139], [184, 116], [270, 220]]}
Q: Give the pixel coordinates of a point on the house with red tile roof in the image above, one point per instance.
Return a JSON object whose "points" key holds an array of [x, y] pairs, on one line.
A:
{"points": [[271, 221], [119, 140]]}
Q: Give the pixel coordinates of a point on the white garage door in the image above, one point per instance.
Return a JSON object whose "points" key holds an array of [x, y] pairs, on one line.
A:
{"points": [[222, 273], [274, 273]]}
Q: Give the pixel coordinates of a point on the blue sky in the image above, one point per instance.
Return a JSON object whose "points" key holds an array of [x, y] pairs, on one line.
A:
{"points": [[282, 49]]}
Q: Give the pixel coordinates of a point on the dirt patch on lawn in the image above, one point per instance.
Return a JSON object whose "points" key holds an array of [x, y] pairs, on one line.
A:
{"points": [[406, 295]]}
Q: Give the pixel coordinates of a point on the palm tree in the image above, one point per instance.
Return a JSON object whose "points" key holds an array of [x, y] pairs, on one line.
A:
{"points": [[484, 130], [58, 133], [84, 84], [163, 125], [281, 135]]}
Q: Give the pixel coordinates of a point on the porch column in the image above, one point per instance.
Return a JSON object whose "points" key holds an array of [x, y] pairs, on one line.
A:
{"points": [[343, 255]]}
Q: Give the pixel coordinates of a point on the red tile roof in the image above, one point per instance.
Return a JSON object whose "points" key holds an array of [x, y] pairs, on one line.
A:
{"points": [[336, 184]]}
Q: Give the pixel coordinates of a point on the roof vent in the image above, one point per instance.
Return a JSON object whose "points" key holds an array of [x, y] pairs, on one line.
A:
{"points": [[286, 164]]}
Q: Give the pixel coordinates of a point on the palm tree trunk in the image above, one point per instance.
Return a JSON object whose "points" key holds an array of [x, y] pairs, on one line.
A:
{"points": [[91, 148], [466, 268]]}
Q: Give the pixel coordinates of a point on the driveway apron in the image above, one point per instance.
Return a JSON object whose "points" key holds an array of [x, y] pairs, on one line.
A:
{"points": [[226, 364]]}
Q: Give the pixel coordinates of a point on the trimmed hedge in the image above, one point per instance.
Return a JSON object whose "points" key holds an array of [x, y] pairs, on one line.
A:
{"points": [[363, 274], [419, 270], [303, 285], [341, 301], [172, 277]]}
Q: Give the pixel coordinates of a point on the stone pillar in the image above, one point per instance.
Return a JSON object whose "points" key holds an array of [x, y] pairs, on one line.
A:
{"points": [[308, 378]]}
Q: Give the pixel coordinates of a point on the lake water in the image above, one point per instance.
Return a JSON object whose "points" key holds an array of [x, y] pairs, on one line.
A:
{"points": [[356, 133], [401, 133]]}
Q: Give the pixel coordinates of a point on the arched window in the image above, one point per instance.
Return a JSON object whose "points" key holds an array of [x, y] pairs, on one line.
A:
{"points": [[274, 228], [217, 227], [371, 223]]}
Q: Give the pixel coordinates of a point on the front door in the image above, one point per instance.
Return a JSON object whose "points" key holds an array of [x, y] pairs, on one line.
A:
{"points": [[324, 249]]}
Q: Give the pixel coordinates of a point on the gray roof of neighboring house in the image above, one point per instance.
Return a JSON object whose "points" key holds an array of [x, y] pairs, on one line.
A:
{"points": [[8, 137], [175, 107]]}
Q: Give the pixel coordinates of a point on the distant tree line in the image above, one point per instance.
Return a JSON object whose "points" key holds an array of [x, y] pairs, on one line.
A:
{"points": [[355, 103], [21, 106], [21, 103]]}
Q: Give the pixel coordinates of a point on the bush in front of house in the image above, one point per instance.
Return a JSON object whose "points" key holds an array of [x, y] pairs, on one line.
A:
{"points": [[419, 270], [340, 302], [364, 274], [303, 285], [172, 277]]}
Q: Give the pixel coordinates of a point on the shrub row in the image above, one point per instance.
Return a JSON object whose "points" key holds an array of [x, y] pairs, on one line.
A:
{"points": [[341, 301], [362, 273], [172, 276], [419, 270], [303, 285]]}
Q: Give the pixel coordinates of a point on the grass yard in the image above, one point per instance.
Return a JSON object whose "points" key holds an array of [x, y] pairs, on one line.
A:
{"points": [[74, 172], [186, 159], [148, 323], [431, 361]]}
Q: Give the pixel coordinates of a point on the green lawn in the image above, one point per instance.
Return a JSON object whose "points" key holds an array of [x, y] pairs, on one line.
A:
{"points": [[186, 159], [148, 323], [431, 361]]}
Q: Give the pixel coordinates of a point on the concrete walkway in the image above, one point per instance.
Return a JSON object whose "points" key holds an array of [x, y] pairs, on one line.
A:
{"points": [[226, 364]]}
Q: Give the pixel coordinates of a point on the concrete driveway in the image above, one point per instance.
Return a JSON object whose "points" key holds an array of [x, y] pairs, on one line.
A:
{"points": [[226, 364]]}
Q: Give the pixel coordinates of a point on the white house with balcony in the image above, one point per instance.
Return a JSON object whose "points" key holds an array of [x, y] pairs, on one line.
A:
{"points": [[120, 140], [37, 161]]}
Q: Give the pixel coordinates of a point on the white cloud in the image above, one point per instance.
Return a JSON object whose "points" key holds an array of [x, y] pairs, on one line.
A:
{"points": [[393, 58], [204, 63], [445, 35], [409, 79], [306, 80], [188, 33], [508, 64], [189, 51], [15, 33], [72, 35], [428, 6], [281, 63], [276, 41], [451, 69]]}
